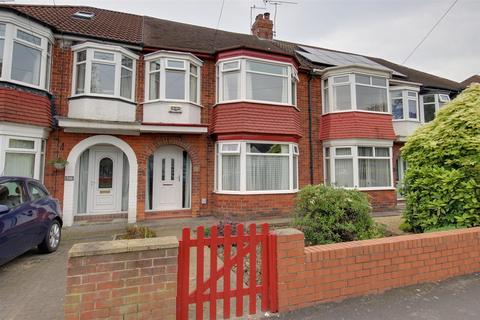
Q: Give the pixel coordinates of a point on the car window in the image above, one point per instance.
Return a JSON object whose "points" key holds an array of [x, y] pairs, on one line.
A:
{"points": [[11, 194], [36, 192]]}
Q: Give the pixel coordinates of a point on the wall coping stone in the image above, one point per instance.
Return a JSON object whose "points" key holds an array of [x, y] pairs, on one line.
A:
{"points": [[122, 246], [287, 232]]}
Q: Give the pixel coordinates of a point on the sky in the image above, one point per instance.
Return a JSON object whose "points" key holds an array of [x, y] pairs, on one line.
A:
{"points": [[388, 29]]}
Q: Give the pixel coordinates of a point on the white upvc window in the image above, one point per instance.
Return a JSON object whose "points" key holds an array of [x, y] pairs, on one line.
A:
{"points": [[256, 80], [172, 77], [25, 56], [104, 71], [404, 104], [430, 104], [252, 167], [359, 166], [355, 92], [23, 156]]}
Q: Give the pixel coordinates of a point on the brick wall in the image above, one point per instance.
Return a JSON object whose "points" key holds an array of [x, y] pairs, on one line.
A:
{"points": [[126, 279], [382, 200], [338, 271]]}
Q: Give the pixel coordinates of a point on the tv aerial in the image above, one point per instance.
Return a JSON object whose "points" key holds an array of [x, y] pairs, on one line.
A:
{"points": [[276, 3]]}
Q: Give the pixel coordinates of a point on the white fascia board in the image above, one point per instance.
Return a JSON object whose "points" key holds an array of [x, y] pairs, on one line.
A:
{"points": [[404, 87], [107, 47], [68, 37], [173, 55], [406, 83], [24, 130], [357, 68], [173, 129], [358, 142]]}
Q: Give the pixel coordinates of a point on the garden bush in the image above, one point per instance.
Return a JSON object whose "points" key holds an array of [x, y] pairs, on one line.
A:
{"points": [[137, 232], [442, 183], [328, 215]]}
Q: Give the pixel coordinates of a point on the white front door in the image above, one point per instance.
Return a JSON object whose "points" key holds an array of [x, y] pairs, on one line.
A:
{"points": [[105, 190], [167, 178]]}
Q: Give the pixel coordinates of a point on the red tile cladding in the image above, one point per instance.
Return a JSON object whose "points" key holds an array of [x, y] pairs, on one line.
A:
{"points": [[25, 107], [255, 118], [348, 125]]}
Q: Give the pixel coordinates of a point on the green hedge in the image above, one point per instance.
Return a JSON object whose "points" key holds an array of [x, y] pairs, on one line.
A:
{"points": [[442, 182], [329, 215]]}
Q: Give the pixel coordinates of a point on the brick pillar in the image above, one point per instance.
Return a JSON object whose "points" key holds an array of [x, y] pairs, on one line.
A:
{"points": [[290, 268], [123, 279]]}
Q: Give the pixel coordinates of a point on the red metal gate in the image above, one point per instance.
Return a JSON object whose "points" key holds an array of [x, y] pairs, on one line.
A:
{"points": [[235, 247]]}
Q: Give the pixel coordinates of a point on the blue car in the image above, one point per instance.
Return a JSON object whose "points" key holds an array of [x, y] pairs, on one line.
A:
{"points": [[29, 217]]}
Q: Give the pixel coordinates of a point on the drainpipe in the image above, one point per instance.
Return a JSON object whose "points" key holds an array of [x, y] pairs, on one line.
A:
{"points": [[310, 122]]}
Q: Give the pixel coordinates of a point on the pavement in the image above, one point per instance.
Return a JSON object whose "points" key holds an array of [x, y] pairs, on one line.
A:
{"points": [[453, 299]]}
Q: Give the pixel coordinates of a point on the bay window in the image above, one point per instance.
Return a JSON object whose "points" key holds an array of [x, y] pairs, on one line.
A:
{"points": [[257, 80], [25, 55], [404, 104], [430, 104], [355, 92], [362, 166], [104, 70], [172, 77], [256, 167], [22, 156]]}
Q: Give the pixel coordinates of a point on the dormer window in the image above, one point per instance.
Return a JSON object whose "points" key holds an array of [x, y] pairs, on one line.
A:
{"points": [[355, 92], [256, 80], [172, 77], [102, 70], [431, 103], [24, 56], [404, 103]]}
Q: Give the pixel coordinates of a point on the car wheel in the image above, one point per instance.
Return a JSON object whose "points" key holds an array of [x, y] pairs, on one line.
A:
{"points": [[52, 238]]}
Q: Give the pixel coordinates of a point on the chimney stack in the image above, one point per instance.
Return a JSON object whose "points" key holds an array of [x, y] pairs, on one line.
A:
{"points": [[263, 26]]}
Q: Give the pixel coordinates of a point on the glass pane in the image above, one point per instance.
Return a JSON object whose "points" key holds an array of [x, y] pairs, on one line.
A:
{"points": [[230, 147], [266, 88], [172, 169], [193, 88], [193, 69], [105, 173], [343, 151], [397, 108], [372, 99], [343, 100], [267, 68], [29, 37], [295, 172], [175, 64], [19, 164], [175, 84], [341, 79], [81, 56], [48, 68], [154, 65], [429, 98], [327, 152], [26, 64], [396, 94], [382, 152], [163, 169], [365, 151], [36, 192], [21, 144], [11, 194], [344, 173], [80, 80], [412, 109], [231, 85], [230, 172], [231, 65], [374, 173], [126, 83], [267, 173], [429, 112], [377, 81], [127, 62], [103, 78], [103, 56], [268, 148], [412, 94], [2, 30], [328, 178], [294, 93], [2, 44], [360, 78], [154, 86]]}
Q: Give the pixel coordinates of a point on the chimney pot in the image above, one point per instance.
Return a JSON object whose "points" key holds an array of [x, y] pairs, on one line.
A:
{"points": [[259, 17], [267, 15]]}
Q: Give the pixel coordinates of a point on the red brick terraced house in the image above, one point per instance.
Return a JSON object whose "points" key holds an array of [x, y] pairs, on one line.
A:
{"points": [[164, 119]]}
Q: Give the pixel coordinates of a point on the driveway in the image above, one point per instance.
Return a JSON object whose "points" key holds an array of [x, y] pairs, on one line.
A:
{"points": [[452, 299]]}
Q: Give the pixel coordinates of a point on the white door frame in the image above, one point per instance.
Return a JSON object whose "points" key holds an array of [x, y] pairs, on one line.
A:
{"points": [[69, 183]]}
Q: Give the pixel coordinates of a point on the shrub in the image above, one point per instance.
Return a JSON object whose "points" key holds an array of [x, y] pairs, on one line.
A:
{"points": [[442, 183], [329, 215], [136, 232]]}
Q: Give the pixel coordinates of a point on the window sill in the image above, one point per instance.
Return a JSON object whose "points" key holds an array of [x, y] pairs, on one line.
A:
{"points": [[173, 101], [257, 102], [247, 193], [351, 110], [104, 97]]}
